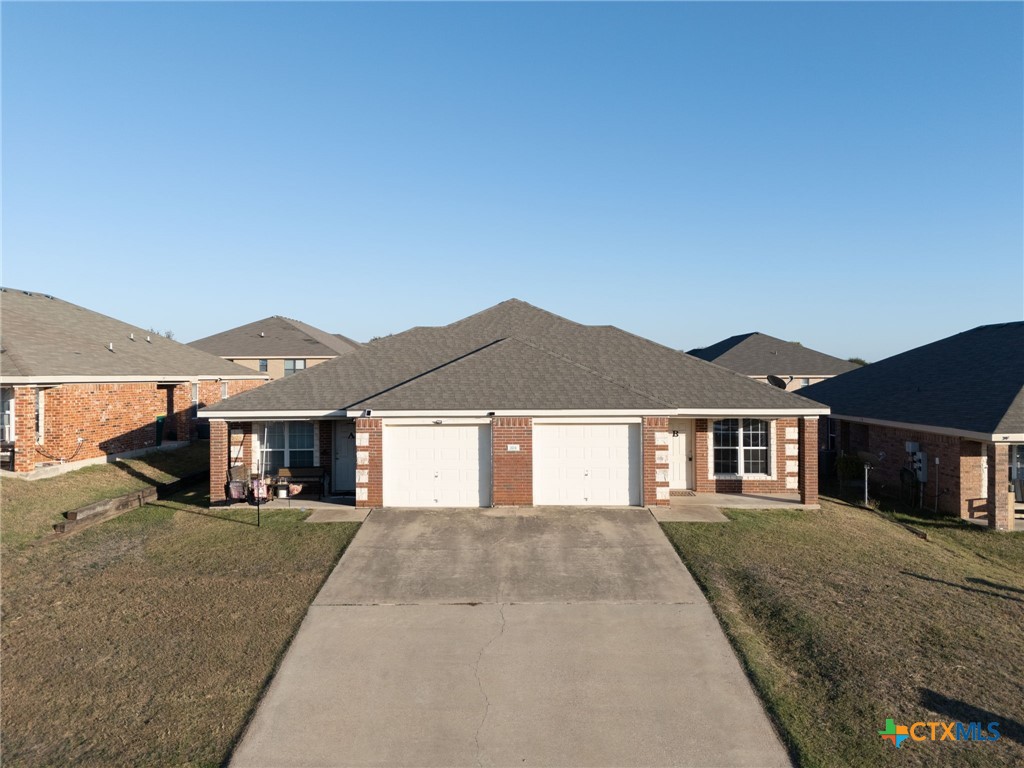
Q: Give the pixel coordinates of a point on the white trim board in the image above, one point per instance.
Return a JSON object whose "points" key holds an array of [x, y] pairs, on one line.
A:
{"points": [[53, 380], [999, 437]]}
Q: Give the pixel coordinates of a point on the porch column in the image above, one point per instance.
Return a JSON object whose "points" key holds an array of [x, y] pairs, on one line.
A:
{"points": [[808, 475], [218, 460], [972, 495], [655, 439], [24, 429], [1000, 507], [369, 463]]}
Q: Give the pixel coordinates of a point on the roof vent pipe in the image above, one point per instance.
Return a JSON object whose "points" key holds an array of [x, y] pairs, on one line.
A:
{"points": [[262, 334], [131, 336], [110, 346], [148, 341]]}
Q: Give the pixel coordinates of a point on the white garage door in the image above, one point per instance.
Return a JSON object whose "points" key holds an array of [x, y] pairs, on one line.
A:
{"points": [[577, 464], [437, 466]]}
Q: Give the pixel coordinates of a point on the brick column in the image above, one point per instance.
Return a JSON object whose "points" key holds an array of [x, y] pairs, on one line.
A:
{"points": [[655, 439], [1000, 508], [218, 459], [702, 457], [182, 411], [325, 430], [808, 474], [512, 470], [970, 490], [369, 463], [24, 429]]}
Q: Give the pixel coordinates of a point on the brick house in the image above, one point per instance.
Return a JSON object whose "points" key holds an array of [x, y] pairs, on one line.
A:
{"points": [[759, 356], [517, 406], [78, 387], [277, 346], [959, 402]]}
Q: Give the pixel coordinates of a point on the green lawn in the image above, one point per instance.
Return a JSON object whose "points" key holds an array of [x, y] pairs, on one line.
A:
{"points": [[844, 619], [30, 508], [147, 639]]}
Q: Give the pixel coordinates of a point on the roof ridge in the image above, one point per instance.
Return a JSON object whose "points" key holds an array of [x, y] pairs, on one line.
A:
{"points": [[600, 375]]}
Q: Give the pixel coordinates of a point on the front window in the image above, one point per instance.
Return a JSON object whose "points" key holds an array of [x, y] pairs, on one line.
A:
{"points": [[40, 416], [293, 366], [287, 444], [263, 365], [741, 447], [7, 415]]}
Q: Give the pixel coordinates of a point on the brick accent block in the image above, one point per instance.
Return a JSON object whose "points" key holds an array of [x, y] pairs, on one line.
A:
{"points": [[218, 460], [369, 459], [808, 474], [512, 471], [654, 439]]}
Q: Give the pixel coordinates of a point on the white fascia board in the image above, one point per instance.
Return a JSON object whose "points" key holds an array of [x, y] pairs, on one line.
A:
{"points": [[711, 412], [451, 421], [984, 437], [533, 412], [43, 380], [206, 413]]}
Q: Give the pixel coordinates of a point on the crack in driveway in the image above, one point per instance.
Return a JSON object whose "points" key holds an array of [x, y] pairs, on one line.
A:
{"points": [[480, 685]]}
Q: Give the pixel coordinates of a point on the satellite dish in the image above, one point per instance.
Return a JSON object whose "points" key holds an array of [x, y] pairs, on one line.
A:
{"points": [[775, 381]]}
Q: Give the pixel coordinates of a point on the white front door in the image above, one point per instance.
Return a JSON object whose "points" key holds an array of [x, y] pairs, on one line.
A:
{"points": [[680, 454], [580, 464], [344, 475], [437, 466]]}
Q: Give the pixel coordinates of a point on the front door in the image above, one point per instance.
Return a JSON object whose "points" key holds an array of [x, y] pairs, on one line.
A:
{"points": [[344, 474], [680, 454]]}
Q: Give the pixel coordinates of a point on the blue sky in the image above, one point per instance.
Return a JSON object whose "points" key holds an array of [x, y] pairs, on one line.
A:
{"points": [[849, 176]]}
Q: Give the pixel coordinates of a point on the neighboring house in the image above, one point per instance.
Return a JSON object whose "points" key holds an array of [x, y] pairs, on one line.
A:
{"points": [[958, 401], [81, 387], [517, 406], [277, 346], [759, 356]]}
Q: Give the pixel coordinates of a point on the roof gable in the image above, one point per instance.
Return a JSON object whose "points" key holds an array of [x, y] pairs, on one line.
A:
{"points": [[275, 336], [972, 381], [514, 352], [44, 337], [758, 354]]}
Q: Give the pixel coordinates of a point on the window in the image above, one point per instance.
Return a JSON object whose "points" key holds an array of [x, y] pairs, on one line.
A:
{"points": [[287, 444], [263, 365], [40, 416], [7, 415], [741, 447], [292, 366], [223, 390], [805, 382]]}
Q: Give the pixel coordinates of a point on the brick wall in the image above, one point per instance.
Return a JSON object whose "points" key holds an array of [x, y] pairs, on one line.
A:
{"points": [[807, 477], [786, 443], [1000, 514], [326, 430], [24, 429], [369, 463], [218, 459], [654, 438], [512, 471]]}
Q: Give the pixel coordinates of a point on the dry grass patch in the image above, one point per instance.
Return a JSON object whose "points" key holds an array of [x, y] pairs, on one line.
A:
{"points": [[844, 619], [31, 508], [147, 639]]}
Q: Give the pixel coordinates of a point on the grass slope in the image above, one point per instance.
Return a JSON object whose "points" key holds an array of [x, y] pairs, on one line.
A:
{"points": [[29, 509], [148, 639], [844, 619]]}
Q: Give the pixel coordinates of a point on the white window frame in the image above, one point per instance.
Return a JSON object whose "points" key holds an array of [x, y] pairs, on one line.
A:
{"points": [[8, 429], [773, 442], [223, 390], [296, 367], [40, 416], [262, 364], [260, 450]]}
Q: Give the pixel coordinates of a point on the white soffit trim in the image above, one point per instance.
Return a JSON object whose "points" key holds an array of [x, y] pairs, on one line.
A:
{"points": [[14, 380], [533, 412], [823, 411], [451, 421], [985, 437], [206, 413]]}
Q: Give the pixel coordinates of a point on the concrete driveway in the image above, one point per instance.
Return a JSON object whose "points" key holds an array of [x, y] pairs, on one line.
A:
{"points": [[561, 637]]}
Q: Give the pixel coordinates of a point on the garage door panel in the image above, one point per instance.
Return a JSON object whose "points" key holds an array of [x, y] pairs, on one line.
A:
{"points": [[576, 464], [426, 466]]}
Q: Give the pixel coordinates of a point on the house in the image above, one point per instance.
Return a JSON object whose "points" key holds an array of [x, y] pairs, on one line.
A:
{"points": [[277, 346], [518, 406], [945, 419], [759, 356], [79, 387]]}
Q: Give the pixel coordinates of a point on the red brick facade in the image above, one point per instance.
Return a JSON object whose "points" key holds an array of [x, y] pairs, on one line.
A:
{"points": [[512, 471], [218, 460], [808, 460], [958, 478], [654, 439], [785, 442], [369, 463], [89, 421]]}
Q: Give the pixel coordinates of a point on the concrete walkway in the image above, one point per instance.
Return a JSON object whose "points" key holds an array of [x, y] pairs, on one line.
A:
{"points": [[568, 637]]}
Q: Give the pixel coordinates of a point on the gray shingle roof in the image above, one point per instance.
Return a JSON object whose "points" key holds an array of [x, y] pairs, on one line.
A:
{"points": [[514, 356], [42, 336], [281, 337], [973, 381], [757, 354]]}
